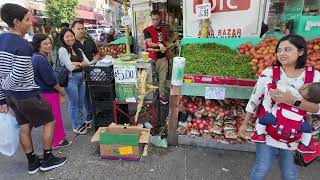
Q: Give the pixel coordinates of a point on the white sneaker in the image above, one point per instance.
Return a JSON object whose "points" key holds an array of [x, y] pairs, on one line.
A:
{"points": [[80, 130]]}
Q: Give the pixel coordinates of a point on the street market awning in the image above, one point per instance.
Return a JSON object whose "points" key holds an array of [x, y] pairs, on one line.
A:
{"points": [[87, 25], [98, 16], [82, 14]]}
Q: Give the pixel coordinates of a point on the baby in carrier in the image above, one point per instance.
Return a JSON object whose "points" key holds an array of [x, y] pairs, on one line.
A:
{"points": [[288, 123]]}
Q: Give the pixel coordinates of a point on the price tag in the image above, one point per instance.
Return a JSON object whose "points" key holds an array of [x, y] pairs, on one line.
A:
{"points": [[125, 74], [203, 11], [215, 93], [125, 21]]}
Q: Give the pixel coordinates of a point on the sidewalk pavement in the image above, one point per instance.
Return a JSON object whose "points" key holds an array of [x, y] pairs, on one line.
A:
{"points": [[173, 163]]}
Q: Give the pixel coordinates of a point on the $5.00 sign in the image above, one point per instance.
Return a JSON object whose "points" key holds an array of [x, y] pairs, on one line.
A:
{"points": [[203, 11], [125, 74]]}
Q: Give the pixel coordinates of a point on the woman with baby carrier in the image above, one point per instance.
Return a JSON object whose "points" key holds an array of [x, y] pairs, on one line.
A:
{"points": [[285, 121]]}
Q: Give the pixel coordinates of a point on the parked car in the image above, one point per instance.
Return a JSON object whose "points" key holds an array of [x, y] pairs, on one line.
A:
{"points": [[95, 33], [103, 36]]}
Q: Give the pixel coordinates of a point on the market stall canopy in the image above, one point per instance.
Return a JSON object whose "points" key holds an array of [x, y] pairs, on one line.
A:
{"points": [[98, 16], [121, 1], [37, 5], [84, 14]]}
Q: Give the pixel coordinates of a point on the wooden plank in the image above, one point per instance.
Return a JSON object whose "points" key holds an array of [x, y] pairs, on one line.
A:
{"points": [[175, 90], [173, 117], [199, 141], [233, 92], [145, 135], [96, 136]]}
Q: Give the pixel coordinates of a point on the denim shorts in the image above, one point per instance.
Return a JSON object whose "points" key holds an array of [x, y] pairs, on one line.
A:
{"points": [[33, 110]]}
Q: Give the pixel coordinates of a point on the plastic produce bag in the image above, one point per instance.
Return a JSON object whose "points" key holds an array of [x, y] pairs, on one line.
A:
{"points": [[9, 134]]}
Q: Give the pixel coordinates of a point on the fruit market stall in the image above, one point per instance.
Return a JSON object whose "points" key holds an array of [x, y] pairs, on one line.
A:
{"points": [[222, 66], [219, 78]]}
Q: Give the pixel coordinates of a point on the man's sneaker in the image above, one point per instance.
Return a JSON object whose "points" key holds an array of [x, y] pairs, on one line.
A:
{"points": [[258, 138], [64, 143], [34, 167], [163, 100], [52, 162], [88, 122], [81, 130], [305, 149]]}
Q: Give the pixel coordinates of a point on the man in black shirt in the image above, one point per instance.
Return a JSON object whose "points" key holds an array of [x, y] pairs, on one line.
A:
{"points": [[89, 48]]}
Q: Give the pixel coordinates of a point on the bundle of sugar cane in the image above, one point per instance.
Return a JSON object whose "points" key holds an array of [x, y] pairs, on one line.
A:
{"points": [[204, 30], [204, 25], [144, 90], [171, 43]]}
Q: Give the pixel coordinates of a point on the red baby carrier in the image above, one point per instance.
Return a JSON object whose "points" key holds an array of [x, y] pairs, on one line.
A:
{"points": [[289, 118]]}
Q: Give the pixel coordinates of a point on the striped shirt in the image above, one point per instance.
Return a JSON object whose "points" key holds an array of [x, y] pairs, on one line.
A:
{"points": [[16, 72]]}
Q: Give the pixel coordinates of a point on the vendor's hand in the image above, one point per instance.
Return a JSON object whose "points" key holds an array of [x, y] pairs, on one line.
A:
{"points": [[242, 129], [162, 48], [3, 108], [282, 97]]}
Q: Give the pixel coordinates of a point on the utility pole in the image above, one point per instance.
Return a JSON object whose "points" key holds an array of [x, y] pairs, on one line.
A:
{"points": [[125, 4]]}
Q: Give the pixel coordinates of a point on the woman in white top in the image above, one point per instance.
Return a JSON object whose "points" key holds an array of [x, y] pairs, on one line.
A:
{"points": [[74, 60], [291, 54]]}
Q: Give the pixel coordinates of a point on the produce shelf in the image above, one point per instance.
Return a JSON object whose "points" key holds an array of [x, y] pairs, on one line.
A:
{"points": [[232, 91], [199, 141]]}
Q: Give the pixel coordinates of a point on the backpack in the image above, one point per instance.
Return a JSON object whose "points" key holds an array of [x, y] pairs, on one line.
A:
{"points": [[289, 118]]}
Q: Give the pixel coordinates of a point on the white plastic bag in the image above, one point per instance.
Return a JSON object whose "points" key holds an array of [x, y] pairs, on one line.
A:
{"points": [[9, 134]]}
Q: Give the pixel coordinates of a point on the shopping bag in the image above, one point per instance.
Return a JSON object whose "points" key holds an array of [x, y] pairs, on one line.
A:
{"points": [[9, 134]]}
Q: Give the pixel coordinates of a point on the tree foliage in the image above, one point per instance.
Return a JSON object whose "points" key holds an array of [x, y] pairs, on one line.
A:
{"points": [[61, 11]]}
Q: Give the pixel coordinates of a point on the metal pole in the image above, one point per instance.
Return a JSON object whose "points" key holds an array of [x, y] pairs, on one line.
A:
{"points": [[125, 4]]}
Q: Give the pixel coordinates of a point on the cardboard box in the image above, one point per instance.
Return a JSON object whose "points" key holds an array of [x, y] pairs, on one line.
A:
{"points": [[121, 142]]}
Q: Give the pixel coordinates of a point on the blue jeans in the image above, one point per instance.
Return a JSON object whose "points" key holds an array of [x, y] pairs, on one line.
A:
{"points": [[265, 155], [87, 102], [76, 93]]}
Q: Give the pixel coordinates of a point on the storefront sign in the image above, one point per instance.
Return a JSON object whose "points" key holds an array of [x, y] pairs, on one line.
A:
{"points": [[203, 11], [215, 93], [311, 24], [229, 18]]}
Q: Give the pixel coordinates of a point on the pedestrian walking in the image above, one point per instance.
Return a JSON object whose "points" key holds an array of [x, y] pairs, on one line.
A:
{"points": [[89, 48], [75, 60], [49, 87], [19, 91], [291, 52]]}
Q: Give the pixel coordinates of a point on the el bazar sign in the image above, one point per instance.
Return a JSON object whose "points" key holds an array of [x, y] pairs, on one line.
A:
{"points": [[229, 18]]}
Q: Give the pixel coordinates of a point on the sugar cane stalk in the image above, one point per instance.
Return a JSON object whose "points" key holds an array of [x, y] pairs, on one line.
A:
{"points": [[144, 90]]}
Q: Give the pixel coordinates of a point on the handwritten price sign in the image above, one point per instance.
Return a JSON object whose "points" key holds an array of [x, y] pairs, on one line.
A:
{"points": [[125, 21], [215, 93], [203, 11], [125, 74]]}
